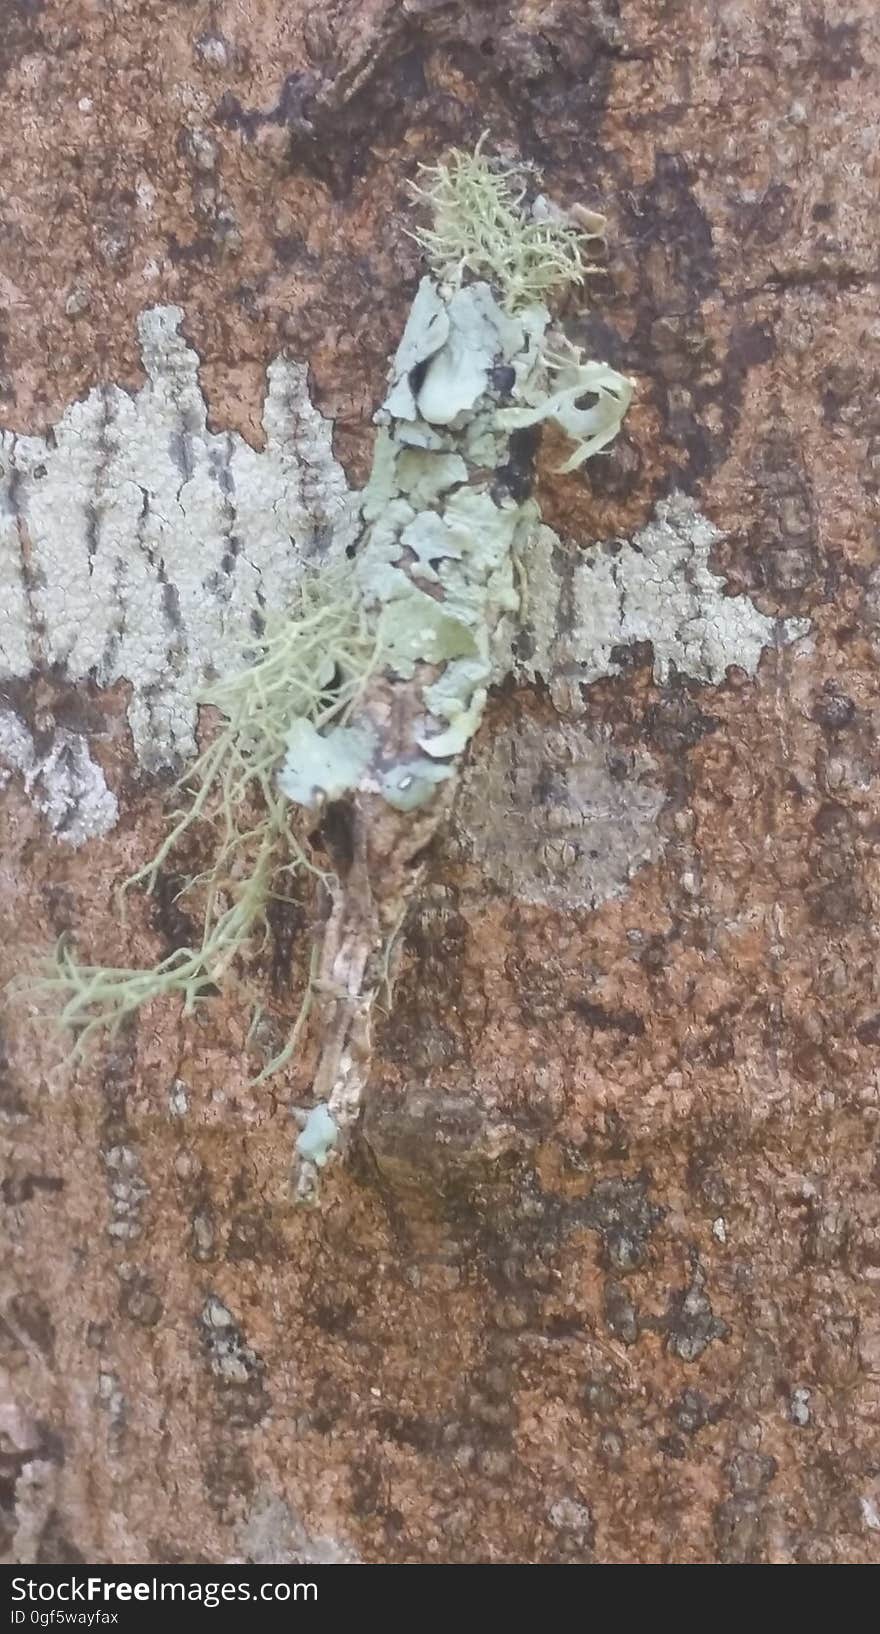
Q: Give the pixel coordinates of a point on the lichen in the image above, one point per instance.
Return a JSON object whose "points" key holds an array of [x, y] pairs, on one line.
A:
{"points": [[480, 225], [67, 786], [579, 840], [309, 668], [153, 540], [368, 694], [318, 1136], [657, 587], [590, 429], [318, 768]]}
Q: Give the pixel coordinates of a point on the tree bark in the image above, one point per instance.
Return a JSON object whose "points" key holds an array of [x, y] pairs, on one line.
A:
{"points": [[599, 1281]]}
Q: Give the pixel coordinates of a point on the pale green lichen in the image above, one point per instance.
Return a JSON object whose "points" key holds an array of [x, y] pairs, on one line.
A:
{"points": [[420, 609], [319, 767], [480, 226], [442, 369], [413, 783], [319, 1135], [417, 629], [462, 549], [591, 429], [309, 667]]}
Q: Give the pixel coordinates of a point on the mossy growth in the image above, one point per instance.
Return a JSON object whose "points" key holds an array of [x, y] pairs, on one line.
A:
{"points": [[311, 664], [482, 225]]}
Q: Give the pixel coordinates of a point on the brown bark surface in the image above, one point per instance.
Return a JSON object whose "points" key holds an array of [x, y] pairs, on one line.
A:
{"points": [[603, 1282]]}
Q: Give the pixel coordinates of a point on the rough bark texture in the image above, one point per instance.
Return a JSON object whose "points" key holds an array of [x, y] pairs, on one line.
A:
{"points": [[603, 1282]]}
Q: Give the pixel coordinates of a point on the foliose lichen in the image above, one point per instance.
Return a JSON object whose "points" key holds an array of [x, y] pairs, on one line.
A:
{"points": [[367, 696]]}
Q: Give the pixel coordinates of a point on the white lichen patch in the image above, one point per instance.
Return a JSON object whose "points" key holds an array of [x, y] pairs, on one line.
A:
{"points": [[561, 817], [65, 784], [656, 587], [136, 544]]}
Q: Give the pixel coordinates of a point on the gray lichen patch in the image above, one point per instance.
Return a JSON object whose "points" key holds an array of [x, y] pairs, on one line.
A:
{"points": [[656, 587], [65, 784], [136, 544], [234, 1363], [128, 1193], [273, 1535], [691, 1323], [30, 1455], [561, 817]]}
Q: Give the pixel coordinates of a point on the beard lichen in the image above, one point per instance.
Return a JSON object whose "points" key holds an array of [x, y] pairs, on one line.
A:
{"points": [[483, 226], [366, 695], [309, 665]]}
